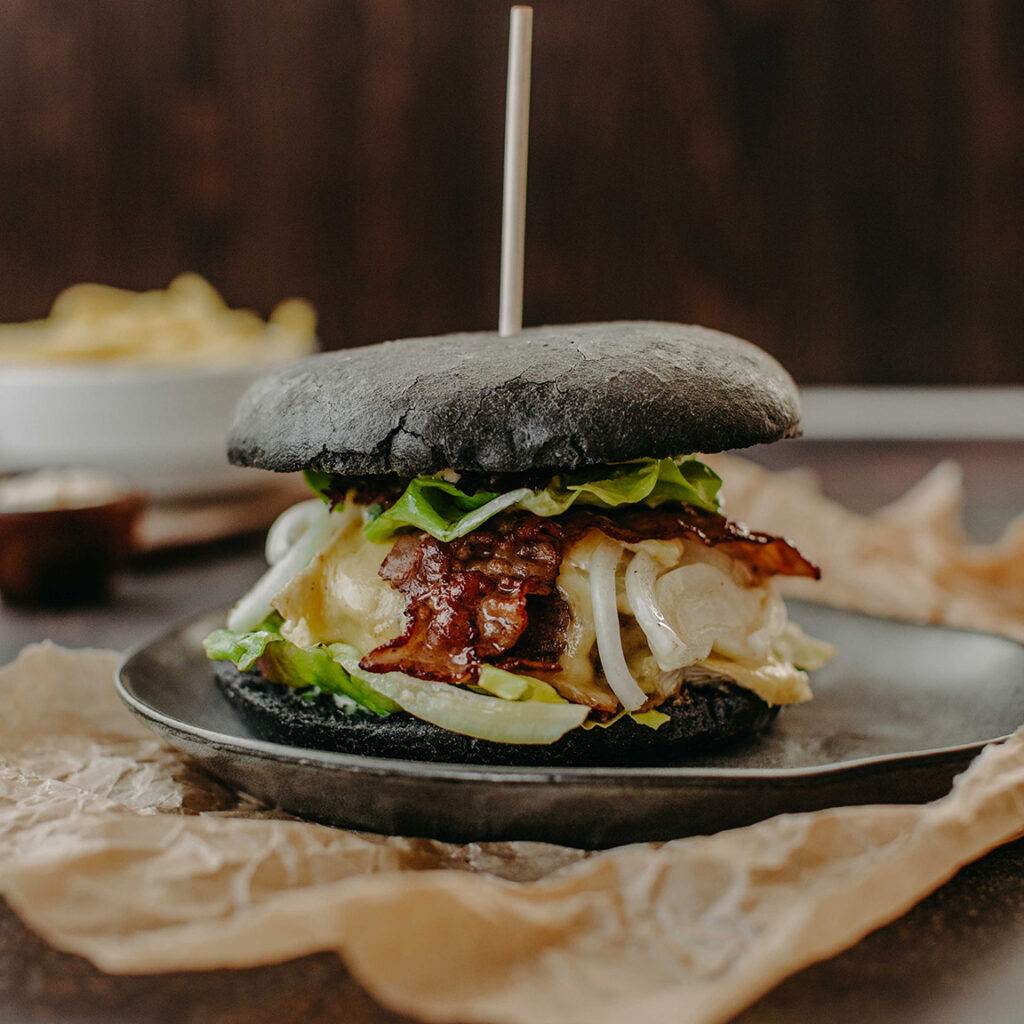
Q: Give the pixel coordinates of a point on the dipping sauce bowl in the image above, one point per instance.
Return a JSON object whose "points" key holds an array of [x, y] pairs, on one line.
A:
{"points": [[62, 535]]}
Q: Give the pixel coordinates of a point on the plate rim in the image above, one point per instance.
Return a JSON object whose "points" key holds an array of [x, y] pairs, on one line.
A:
{"points": [[648, 776]]}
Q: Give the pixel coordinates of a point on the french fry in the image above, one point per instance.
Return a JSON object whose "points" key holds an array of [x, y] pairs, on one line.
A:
{"points": [[188, 323]]}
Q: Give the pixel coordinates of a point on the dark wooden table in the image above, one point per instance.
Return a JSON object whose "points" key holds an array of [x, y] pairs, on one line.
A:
{"points": [[957, 957]]}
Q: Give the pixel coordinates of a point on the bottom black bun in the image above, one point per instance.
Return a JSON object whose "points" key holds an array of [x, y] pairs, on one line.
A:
{"points": [[703, 717]]}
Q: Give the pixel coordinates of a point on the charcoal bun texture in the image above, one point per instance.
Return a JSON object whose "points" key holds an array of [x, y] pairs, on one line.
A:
{"points": [[705, 717], [560, 397]]}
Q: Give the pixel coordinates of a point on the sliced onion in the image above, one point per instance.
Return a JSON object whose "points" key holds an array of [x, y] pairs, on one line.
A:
{"points": [[603, 563], [668, 650], [255, 606], [471, 714], [289, 526], [470, 522]]}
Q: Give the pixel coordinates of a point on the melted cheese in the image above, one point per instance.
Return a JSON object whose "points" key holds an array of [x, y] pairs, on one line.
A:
{"points": [[775, 681], [340, 595]]}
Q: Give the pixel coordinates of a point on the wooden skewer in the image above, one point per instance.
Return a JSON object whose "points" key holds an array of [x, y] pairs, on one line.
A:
{"points": [[517, 137]]}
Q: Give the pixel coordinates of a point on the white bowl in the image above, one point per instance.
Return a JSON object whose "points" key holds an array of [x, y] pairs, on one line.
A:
{"points": [[163, 428]]}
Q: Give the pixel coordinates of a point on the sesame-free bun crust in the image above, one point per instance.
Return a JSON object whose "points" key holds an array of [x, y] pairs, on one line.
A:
{"points": [[560, 397]]}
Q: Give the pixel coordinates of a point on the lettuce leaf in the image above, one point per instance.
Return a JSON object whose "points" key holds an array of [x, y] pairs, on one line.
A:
{"points": [[446, 512], [433, 505], [320, 483], [651, 481], [512, 686], [319, 667], [244, 649], [471, 714], [294, 666], [775, 682]]}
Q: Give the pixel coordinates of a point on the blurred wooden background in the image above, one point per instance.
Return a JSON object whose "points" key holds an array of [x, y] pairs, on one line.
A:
{"points": [[841, 181]]}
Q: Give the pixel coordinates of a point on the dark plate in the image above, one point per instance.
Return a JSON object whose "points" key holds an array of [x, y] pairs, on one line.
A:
{"points": [[896, 715]]}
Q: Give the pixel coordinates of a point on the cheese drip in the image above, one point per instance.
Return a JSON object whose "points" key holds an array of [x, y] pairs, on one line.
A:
{"points": [[340, 596]]}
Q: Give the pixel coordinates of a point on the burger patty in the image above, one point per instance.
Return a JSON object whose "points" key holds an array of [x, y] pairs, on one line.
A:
{"points": [[702, 718]]}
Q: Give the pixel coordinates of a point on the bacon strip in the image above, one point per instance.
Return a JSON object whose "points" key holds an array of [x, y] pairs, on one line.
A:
{"points": [[765, 554], [467, 599], [541, 644], [490, 596]]}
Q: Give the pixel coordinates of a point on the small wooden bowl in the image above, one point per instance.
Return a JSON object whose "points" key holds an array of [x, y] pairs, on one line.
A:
{"points": [[65, 556]]}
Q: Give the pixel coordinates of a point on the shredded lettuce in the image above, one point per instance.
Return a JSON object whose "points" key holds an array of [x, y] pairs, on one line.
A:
{"points": [[446, 512], [653, 719]]}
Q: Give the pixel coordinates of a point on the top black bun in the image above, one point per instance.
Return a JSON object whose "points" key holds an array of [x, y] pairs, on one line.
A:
{"points": [[548, 398]]}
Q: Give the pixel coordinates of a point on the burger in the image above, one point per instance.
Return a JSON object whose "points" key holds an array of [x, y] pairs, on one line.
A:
{"points": [[512, 553]]}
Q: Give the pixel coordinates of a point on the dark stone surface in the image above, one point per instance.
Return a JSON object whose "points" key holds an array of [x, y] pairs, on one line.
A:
{"points": [[703, 718], [547, 398]]}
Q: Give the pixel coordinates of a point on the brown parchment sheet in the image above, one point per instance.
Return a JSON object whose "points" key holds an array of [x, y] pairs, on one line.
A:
{"points": [[113, 847]]}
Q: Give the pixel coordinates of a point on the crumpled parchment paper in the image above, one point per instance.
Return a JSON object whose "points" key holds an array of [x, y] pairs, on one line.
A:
{"points": [[909, 560], [115, 848]]}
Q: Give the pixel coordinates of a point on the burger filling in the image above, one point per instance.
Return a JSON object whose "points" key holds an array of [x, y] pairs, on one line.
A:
{"points": [[515, 609]]}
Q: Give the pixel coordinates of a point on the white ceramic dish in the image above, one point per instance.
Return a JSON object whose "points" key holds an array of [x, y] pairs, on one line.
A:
{"points": [[162, 428]]}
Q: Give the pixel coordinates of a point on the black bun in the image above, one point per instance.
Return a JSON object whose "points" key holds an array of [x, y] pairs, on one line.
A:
{"points": [[703, 718], [548, 398]]}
